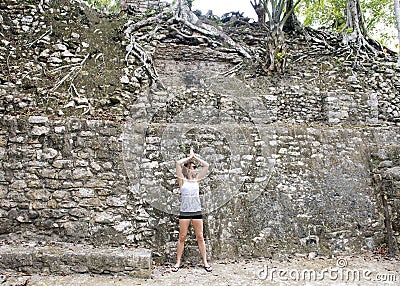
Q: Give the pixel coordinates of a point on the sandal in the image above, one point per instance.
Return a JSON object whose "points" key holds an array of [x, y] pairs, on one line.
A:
{"points": [[208, 268], [175, 268]]}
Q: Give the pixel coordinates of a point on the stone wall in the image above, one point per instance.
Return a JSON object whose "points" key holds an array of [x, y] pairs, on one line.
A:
{"points": [[308, 189], [295, 158], [66, 180], [61, 179], [385, 162]]}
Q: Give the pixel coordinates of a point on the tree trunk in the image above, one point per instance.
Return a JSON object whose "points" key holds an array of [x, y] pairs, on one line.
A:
{"points": [[292, 23], [353, 26], [397, 13], [260, 11], [279, 12], [183, 11], [355, 31], [275, 50]]}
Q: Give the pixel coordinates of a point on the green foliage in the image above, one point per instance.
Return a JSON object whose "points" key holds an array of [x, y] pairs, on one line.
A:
{"points": [[378, 11], [348, 31], [380, 20], [279, 57], [111, 6], [331, 14]]}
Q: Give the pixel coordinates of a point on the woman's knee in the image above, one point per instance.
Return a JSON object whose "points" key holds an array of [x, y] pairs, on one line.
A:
{"points": [[182, 237], [200, 237]]}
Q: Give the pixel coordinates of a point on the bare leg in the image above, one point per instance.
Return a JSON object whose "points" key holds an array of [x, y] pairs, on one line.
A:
{"points": [[198, 229], [183, 229]]}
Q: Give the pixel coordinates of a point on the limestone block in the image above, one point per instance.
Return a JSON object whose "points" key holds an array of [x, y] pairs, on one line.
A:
{"points": [[59, 164], [38, 119], [104, 217], [60, 47], [81, 173], [38, 194], [18, 185], [40, 130], [393, 173], [85, 193], [3, 191], [116, 201], [49, 173]]}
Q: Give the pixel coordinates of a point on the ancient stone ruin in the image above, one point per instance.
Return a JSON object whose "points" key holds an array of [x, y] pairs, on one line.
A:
{"points": [[96, 108]]}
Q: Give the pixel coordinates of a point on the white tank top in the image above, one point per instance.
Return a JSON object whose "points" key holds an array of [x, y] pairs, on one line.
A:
{"points": [[190, 198]]}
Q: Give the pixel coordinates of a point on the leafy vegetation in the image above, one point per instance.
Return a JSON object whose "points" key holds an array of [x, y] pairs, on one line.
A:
{"points": [[331, 15], [111, 6]]}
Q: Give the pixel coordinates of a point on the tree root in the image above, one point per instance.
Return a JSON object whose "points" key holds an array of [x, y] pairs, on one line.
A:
{"points": [[147, 22], [177, 19], [150, 35], [360, 41], [140, 53], [73, 73], [49, 31], [314, 36], [212, 32], [362, 47], [189, 37], [233, 70]]}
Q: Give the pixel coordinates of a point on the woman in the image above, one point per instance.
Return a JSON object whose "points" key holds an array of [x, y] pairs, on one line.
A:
{"points": [[190, 209]]}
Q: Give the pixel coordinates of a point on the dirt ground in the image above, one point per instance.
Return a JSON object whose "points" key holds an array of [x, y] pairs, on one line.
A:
{"points": [[350, 270]]}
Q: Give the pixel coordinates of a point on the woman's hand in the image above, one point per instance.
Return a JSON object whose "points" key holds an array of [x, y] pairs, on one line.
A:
{"points": [[195, 156], [184, 160], [192, 155]]}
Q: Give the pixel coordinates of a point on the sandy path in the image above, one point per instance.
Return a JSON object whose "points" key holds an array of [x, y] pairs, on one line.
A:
{"points": [[318, 271]]}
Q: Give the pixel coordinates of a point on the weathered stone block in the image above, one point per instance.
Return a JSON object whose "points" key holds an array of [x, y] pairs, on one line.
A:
{"points": [[85, 193], [40, 130], [81, 173], [66, 259], [38, 119]]}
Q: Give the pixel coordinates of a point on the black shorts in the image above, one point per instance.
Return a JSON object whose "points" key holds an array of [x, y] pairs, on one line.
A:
{"points": [[189, 215]]}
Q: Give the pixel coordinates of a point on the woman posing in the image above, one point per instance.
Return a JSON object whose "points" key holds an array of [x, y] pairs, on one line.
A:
{"points": [[190, 210]]}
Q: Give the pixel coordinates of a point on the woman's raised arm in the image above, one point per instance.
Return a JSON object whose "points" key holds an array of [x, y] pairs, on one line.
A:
{"points": [[204, 170], [178, 165]]}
